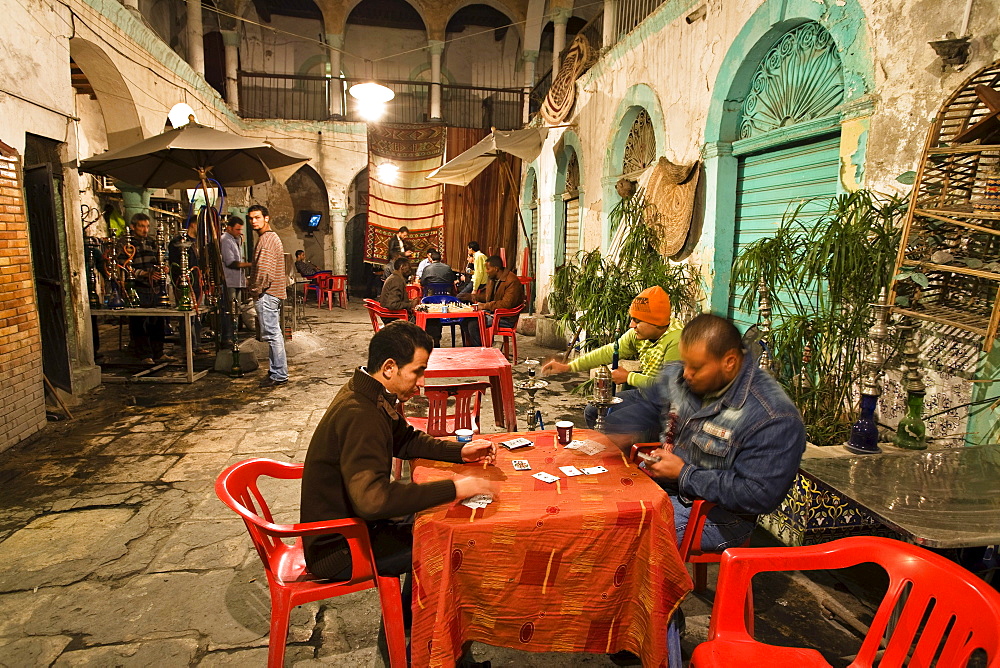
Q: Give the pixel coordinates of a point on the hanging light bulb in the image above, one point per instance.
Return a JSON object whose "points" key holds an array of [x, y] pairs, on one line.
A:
{"points": [[371, 99]]}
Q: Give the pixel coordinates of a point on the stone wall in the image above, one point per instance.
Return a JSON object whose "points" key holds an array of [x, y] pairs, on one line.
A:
{"points": [[22, 396]]}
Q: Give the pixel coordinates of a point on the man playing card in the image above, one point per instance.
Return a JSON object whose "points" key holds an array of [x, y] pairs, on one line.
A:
{"points": [[349, 461]]}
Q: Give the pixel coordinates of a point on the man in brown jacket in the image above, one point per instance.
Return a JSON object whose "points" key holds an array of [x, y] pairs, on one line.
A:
{"points": [[503, 290], [350, 455], [393, 295]]}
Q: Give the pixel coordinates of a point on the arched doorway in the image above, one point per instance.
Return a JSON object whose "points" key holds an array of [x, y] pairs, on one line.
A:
{"points": [[788, 150], [567, 206], [363, 282]]}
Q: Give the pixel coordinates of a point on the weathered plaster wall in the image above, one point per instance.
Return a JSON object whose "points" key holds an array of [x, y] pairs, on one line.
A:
{"points": [[689, 77]]}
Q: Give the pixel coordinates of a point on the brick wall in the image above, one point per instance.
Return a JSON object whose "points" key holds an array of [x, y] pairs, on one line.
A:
{"points": [[22, 399]]}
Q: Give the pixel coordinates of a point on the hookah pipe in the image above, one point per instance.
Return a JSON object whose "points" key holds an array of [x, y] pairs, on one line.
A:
{"points": [[115, 301], [235, 371], [614, 365], [161, 265], [129, 249]]}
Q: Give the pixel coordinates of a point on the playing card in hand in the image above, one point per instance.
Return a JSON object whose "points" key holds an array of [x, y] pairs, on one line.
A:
{"points": [[478, 501]]}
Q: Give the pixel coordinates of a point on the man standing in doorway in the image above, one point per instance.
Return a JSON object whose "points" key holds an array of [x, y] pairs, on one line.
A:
{"points": [[267, 287], [146, 332], [234, 266]]}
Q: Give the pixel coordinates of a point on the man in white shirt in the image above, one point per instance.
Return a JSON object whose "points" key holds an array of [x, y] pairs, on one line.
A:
{"points": [[234, 264], [423, 263]]}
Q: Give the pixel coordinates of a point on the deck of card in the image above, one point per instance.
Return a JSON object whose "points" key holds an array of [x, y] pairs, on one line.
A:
{"points": [[587, 447], [521, 464], [515, 443], [478, 501], [545, 477]]}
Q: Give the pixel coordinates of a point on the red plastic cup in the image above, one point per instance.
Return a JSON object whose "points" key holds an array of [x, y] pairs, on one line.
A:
{"points": [[564, 432]]}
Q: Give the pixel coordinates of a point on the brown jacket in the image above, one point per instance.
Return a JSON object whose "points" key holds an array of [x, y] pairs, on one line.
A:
{"points": [[349, 460], [504, 291], [393, 295]]}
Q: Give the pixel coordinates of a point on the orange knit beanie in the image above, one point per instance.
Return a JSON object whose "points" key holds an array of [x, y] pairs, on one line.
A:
{"points": [[652, 305]]}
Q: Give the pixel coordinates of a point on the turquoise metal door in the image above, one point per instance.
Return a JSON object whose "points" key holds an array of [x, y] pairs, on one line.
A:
{"points": [[777, 181]]}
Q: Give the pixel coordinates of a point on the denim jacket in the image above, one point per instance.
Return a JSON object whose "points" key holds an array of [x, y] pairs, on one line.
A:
{"points": [[741, 451]]}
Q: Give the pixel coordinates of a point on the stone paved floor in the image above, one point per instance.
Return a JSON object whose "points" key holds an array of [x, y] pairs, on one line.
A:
{"points": [[116, 551]]}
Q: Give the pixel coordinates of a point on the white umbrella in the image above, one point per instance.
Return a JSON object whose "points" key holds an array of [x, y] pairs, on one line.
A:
{"points": [[463, 168]]}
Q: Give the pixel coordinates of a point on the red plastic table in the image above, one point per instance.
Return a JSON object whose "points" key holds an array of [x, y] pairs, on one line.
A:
{"points": [[590, 565], [477, 362], [423, 316]]}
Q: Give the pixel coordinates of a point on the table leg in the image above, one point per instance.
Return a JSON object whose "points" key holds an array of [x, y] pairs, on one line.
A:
{"points": [[507, 393], [188, 348], [499, 405], [482, 331]]}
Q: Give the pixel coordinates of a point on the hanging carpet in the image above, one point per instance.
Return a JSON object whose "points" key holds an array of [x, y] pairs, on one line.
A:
{"points": [[559, 100], [400, 157]]}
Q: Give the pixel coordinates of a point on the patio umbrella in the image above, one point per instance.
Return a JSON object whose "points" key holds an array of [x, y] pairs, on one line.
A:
{"points": [[187, 156], [460, 170]]}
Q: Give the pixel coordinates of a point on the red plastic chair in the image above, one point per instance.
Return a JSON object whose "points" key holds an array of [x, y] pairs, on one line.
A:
{"points": [[439, 422], [690, 547], [333, 285], [414, 292], [509, 334], [942, 607], [376, 312], [322, 282], [289, 581]]}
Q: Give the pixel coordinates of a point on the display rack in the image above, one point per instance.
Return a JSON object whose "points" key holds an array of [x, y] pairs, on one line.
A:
{"points": [[951, 234]]}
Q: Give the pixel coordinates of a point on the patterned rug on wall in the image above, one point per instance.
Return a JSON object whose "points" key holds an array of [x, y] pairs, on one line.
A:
{"points": [[400, 156]]}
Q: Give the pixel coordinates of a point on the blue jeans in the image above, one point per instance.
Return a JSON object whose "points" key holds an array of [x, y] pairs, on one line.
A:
{"points": [[722, 528], [269, 317]]}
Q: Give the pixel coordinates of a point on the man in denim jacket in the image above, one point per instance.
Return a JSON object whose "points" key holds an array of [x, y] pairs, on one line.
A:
{"points": [[737, 437]]}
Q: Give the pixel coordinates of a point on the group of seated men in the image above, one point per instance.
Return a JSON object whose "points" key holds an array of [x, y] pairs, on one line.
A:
{"points": [[730, 435], [502, 289]]}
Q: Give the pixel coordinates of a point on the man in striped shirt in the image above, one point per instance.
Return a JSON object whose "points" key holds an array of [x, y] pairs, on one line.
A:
{"points": [[267, 287], [652, 339]]}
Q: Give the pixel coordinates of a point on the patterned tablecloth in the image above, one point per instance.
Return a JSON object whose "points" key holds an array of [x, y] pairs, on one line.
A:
{"points": [[586, 565]]}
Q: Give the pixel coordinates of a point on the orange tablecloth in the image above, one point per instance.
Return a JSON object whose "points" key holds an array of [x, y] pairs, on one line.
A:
{"points": [[588, 566]]}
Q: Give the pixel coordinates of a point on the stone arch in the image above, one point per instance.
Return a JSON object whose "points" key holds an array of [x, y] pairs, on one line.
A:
{"points": [[847, 25], [121, 117], [335, 14], [637, 98], [515, 16]]}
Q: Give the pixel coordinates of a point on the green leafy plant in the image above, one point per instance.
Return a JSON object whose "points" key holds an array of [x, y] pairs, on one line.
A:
{"points": [[824, 270], [592, 292]]}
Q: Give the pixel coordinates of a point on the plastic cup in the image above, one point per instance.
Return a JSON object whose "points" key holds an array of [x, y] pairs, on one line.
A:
{"points": [[564, 432], [463, 435]]}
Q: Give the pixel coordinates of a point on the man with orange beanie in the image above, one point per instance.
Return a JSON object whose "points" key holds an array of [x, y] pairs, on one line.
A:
{"points": [[652, 339]]}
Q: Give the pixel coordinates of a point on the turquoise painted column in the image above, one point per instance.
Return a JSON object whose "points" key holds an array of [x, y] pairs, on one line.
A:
{"points": [[720, 222], [530, 59], [136, 200], [336, 84], [436, 48], [231, 42]]}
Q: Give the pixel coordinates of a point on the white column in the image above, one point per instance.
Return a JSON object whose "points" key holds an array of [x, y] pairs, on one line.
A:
{"points": [[610, 26], [530, 60], [436, 47], [338, 225], [336, 42], [558, 38], [195, 37], [231, 40]]}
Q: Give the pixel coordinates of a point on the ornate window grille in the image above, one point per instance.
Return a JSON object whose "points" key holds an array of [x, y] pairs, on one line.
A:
{"points": [[800, 79], [640, 145]]}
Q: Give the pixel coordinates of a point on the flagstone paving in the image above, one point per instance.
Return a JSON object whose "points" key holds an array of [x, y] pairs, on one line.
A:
{"points": [[116, 551]]}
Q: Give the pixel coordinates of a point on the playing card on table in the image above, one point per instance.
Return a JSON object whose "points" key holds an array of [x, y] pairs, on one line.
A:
{"points": [[478, 501], [521, 464], [545, 477], [570, 471], [515, 443], [587, 447], [594, 470]]}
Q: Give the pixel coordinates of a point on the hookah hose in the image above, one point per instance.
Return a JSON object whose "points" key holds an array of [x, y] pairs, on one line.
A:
{"points": [[614, 365]]}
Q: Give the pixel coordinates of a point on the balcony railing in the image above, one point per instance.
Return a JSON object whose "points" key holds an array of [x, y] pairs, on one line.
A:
{"points": [[303, 97]]}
